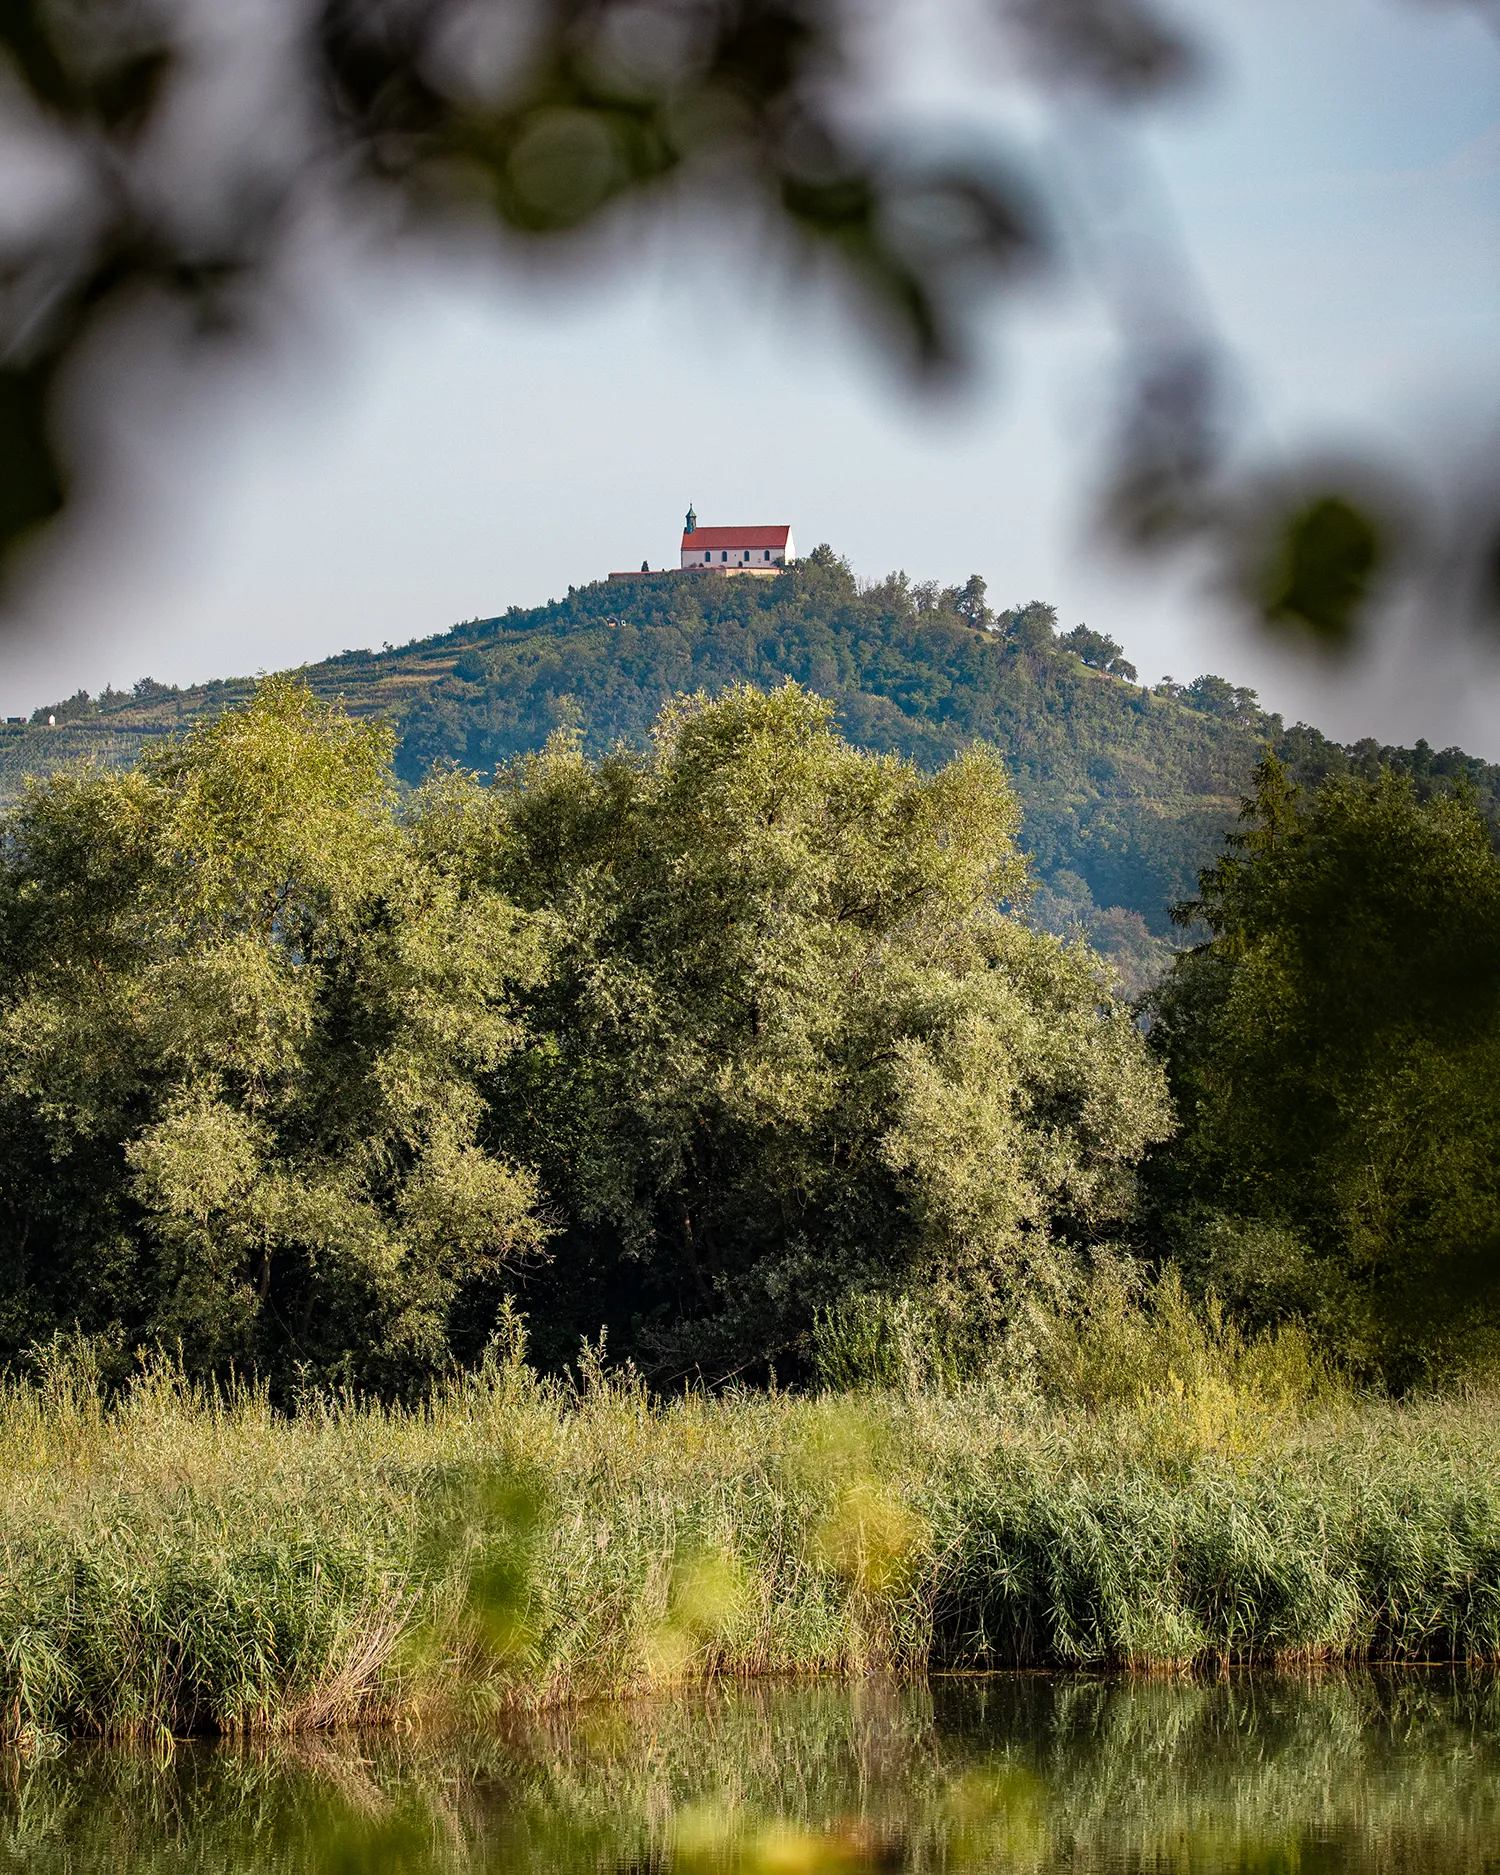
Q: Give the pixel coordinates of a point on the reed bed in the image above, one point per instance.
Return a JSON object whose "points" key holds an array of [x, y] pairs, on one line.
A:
{"points": [[175, 1559]]}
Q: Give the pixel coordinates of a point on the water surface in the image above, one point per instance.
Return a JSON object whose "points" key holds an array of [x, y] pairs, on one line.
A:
{"points": [[1395, 1772]]}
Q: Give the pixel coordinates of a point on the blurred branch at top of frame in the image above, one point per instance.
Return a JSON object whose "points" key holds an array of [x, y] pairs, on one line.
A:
{"points": [[163, 158]]}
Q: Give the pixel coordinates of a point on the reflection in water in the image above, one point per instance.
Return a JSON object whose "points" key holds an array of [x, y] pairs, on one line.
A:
{"points": [[1398, 1772]]}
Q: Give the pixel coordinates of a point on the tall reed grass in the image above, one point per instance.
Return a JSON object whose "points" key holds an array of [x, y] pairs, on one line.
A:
{"points": [[1144, 1488]]}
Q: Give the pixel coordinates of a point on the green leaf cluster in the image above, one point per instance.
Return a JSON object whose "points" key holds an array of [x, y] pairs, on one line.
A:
{"points": [[793, 1043]]}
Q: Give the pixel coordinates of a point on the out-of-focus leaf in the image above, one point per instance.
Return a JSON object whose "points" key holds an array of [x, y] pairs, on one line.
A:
{"points": [[1325, 561], [1168, 448], [730, 104], [31, 50], [550, 169], [917, 243], [32, 485], [126, 93], [1117, 47], [541, 119], [371, 61]]}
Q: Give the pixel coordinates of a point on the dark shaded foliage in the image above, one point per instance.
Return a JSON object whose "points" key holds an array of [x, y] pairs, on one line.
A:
{"points": [[1334, 1051]]}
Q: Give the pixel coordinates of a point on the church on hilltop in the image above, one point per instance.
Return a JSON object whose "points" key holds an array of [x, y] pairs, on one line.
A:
{"points": [[762, 550], [736, 549]]}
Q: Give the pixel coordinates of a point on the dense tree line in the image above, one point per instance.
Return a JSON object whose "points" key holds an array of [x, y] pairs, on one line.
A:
{"points": [[1125, 791], [698, 1042], [690, 1042]]}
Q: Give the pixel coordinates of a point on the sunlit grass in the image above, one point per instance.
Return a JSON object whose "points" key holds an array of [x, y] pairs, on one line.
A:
{"points": [[178, 1559]]}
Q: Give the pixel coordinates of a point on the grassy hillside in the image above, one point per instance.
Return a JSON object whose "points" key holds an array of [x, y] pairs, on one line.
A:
{"points": [[1127, 790]]}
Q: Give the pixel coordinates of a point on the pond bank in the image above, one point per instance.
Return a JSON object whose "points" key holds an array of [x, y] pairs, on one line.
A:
{"points": [[178, 1562]]}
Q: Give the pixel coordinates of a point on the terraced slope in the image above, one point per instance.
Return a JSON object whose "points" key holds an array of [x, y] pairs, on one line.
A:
{"points": [[114, 729]]}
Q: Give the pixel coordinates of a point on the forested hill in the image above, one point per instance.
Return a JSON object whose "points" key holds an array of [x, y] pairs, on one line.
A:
{"points": [[1126, 790]]}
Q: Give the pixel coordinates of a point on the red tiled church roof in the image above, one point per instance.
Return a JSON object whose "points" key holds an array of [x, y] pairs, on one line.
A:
{"points": [[704, 539]]}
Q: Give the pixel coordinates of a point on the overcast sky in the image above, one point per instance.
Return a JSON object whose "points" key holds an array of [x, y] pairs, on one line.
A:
{"points": [[436, 443]]}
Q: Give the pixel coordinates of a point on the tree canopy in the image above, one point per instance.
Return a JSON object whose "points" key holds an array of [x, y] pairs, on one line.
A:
{"points": [[1334, 1053], [793, 1043], [242, 1028], [702, 1040], [685, 1042]]}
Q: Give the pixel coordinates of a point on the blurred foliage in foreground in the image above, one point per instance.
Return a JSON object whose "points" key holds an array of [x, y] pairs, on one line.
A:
{"points": [[171, 166]]}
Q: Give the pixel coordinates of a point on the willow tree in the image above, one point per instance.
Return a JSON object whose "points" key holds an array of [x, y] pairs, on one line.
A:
{"points": [[242, 1028], [792, 1044]]}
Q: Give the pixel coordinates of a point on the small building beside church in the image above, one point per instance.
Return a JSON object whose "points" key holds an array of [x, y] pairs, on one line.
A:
{"points": [[736, 549]]}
